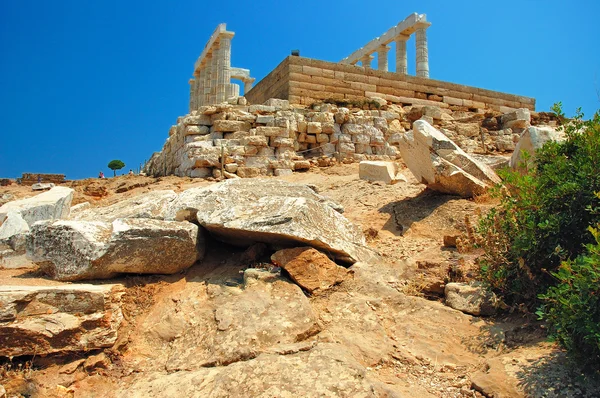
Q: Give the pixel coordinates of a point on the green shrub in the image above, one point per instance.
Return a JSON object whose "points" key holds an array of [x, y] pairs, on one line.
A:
{"points": [[115, 165], [543, 215], [572, 307]]}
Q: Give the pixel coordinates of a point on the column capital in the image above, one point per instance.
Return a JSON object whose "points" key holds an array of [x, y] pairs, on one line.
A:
{"points": [[366, 60], [226, 35], [401, 38], [384, 48]]}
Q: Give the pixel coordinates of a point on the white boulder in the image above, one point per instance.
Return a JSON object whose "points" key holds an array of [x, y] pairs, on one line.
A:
{"points": [[438, 162], [51, 205], [70, 250], [377, 171], [531, 140]]}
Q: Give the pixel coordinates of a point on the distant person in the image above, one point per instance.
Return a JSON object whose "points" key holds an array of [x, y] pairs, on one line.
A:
{"points": [[101, 175], [130, 172], [39, 179]]}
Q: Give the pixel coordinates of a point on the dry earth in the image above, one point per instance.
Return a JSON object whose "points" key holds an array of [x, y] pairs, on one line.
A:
{"points": [[209, 332]]}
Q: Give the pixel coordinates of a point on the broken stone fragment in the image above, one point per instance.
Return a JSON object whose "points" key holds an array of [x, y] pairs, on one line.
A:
{"points": [[309, 268], [377, 171], [531, 140], [39, 320], [471, 299], [74, 250]]}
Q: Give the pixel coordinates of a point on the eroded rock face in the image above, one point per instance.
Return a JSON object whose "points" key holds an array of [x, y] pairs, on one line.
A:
{"points": [[438, 162], [149, 205], [71, 250], [39, 320], [51, 205], [243, 212], [309, 268], [327, 370], [214, 325], [531, 140]]}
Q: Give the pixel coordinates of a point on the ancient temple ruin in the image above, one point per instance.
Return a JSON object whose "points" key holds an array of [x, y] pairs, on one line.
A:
{"points": [[213, 72], [414, 23]]}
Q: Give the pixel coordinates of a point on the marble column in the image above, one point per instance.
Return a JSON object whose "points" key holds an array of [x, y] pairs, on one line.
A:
{"points": [[214, 76], [248, 85], [366, 61], [207, 79], [401, 59], [382, 58], [224, 68], [422, 53], [201, 80], [193, 103]]}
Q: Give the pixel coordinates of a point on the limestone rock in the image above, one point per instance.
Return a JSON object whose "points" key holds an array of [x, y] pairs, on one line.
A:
{"points": [[50, 205], [281, 214], [310, 268], [438, 162], [471, 299], [531, 140], [42, 186], [13, 225], [149, 205], [74, 250], [519, 119], [39, 320], [377, 171]]}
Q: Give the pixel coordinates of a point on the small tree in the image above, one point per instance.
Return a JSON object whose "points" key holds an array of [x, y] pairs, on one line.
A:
{"points": [[115, 165]]}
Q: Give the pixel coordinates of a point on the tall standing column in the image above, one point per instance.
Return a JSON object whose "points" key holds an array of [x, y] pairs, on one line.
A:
{"points": [[401, 59], [366, 61], [192, 94], [201, 77], [214, 76], [207, 79], [422, 53], [224, 76], [382, 58]]}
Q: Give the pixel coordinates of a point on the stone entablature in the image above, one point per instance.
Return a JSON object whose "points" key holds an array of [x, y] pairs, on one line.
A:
{"points": [[414, 23], [306, 81], [213, 72]]}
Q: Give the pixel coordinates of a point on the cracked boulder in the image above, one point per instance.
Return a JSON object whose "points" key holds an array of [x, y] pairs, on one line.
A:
{"points": [[242, 212], [39, 320], [438, 162], [530, 141], [70, 250], [51, 205]]}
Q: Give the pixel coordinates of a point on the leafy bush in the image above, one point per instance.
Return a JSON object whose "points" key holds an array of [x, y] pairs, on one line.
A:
{"points": [[572, 308], [543, 215], [115, 165]]}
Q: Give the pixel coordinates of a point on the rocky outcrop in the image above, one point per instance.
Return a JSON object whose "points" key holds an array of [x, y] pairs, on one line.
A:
{"points": [[438, 162], [74, 250], [149, 205], [39, 320], [309, 268], [51, 205], [470, 299], [531, 140], [243, 212]]}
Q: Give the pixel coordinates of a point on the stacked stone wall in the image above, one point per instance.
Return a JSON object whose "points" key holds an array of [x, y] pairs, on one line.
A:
{"points": [[34, 178], [276, 138], [306, 81]]}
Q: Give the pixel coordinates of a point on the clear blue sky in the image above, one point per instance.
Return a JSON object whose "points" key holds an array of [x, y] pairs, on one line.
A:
{"points": [[85, 82]]}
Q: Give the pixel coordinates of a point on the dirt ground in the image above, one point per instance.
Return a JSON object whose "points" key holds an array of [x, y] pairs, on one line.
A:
{"points": [[436, 351]]}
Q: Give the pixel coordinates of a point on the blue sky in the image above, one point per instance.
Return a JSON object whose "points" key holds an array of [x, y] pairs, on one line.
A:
{"points": [[85, 82]]}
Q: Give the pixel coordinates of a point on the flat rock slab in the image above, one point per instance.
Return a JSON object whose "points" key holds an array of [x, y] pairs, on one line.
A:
{"points": [[51, 205], [70, 250], [437, 161], [243, 212], [309, 268], [39, 320], [149, 205]]}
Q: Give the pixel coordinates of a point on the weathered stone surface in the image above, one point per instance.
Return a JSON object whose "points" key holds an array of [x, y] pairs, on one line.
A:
{"points": [[309, 268], [326, 370], [531, 140], [74, 250], [50, 205], [242, 212], [230, 125], [42, 186], [149, 205], [471, 299], [39, 320], [519, 118], [13, 224], [438, 162], [377, 171], [495, 382]]}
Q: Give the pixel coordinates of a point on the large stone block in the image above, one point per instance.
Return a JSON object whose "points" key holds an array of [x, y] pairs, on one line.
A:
{"points": [[230, 126], [51, 205], [531, 140], [378, 171], [272, 131]]}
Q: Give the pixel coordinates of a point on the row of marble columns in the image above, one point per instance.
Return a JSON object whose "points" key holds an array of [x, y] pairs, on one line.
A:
{"points": [[212, 79], [401, 58]]}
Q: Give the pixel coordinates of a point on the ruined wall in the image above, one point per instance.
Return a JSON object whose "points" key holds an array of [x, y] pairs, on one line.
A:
{"points": [[276, 138], [305, 81]]}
